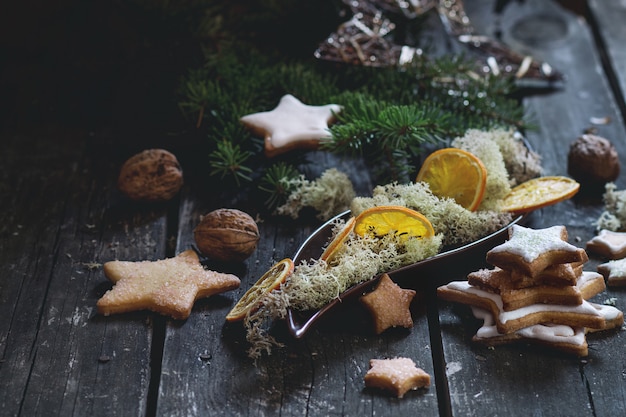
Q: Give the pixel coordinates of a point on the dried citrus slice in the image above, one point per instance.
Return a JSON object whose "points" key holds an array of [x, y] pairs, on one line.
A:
{"points": [[334, 246], [382, 220], [455, 173], [539, 192], [271, 280]]}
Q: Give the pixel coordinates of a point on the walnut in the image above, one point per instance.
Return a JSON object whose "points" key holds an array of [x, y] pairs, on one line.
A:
{"points": [[593, 160], [227, 235], [151, 175]]}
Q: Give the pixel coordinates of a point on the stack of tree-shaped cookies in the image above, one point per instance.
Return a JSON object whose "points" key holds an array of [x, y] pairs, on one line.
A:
{"points": [[537, 291]]}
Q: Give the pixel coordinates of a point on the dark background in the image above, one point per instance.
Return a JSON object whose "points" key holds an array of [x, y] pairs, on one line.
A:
{"points": [[98, 65]]}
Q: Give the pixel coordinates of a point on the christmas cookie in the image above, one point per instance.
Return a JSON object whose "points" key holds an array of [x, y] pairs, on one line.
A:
{"points": [[397, 376], [292, 125], [169, 286], [556, 336], [582, 315], [514, 297], [531, 251], [611, 245], [614, 271], [389, 305], [559, 274]]}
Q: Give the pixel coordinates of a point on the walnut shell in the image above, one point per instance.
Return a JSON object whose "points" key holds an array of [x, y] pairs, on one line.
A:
{"points": [[227, 235], [151, 175]]}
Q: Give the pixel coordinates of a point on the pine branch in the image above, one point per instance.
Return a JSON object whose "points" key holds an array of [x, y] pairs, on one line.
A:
{"points": [[388, 115]]}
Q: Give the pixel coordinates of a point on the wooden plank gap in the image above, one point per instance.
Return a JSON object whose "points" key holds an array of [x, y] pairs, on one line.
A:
{"points": [[607, 66], [585, 381], [156, 364], [438, 357]]}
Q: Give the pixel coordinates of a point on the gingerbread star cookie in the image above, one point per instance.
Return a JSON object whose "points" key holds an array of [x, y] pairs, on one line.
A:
{"points": [[397, 376], [533, 250], [498, 281], [389, 305], [292, 125], [559, 336], [583, 315], [614, 271], [168, 286], [611, 245]]}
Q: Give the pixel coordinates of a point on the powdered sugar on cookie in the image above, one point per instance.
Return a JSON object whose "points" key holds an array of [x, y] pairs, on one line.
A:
{"points": [[530, 243], [533, 250]]}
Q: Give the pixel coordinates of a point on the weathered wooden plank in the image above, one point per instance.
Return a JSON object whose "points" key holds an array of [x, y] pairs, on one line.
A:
{"points": [[64, 219], [609, 17], [321, 374], [508, 379]]}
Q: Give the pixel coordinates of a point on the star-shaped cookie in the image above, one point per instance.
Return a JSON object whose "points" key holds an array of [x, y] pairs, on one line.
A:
{"points": [[397, 375], [614, 271], [533, 250], [570, 339], [292, 125], [611, 245], [389, 305], [168, 286], [582, 315]]}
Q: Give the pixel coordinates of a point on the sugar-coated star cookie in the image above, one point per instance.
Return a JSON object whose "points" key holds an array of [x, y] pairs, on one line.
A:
{"points": [[614, 271], [291, 125], [533, 250], [168, 286], [389, 305], [397, 376], [611, 245]]}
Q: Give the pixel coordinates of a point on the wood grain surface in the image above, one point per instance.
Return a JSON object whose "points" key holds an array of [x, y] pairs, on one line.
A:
{"points": [[62, 218]]}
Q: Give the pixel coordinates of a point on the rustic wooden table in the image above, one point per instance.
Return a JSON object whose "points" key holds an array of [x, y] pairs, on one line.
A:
{"points": [[62, 216]]}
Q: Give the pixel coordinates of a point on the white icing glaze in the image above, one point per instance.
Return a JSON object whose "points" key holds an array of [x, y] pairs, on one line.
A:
{"points": [[615, 242], [608, 312], [505, 316], [553, 333], [530, 243], [587, 276], [293, 121]]}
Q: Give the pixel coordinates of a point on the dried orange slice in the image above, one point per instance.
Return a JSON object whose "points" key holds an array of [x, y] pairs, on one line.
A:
{"points": [[455, 173], [334, 246], [271, 280], [383, 220], [539, 192]]}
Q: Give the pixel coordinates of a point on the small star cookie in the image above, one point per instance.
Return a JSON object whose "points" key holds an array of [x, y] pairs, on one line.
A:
{"points": [[291, 125], [397, 376], [531, 251], [389, 305], [168, 286], [614, 271], [609, 244]]}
